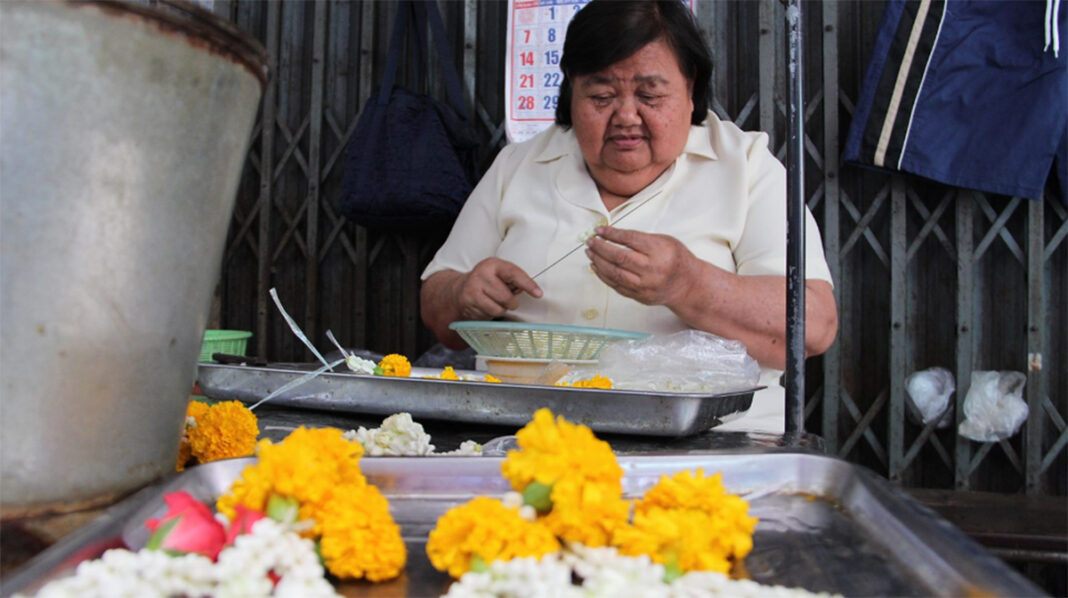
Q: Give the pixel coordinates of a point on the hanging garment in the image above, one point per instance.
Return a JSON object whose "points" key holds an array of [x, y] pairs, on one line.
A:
{"points": [[972, 94]]}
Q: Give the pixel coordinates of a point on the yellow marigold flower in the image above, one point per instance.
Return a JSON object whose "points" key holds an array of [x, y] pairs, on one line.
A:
{"points": [[196, 409], [551, 449], [491, 378], [396, 365], [586, 512], [484, 527], [594, 382], [308, 465], [691, 540], [359, 537], [226, 431], [185, 453], [449, 374], [691, 519]]}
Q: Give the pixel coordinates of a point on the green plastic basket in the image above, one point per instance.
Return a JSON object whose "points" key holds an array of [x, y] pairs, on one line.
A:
{"points": [[231, 342], [539, 341]]}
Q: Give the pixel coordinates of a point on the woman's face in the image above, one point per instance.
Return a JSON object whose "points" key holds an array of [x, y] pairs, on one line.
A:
{"points": [[632, 119]]}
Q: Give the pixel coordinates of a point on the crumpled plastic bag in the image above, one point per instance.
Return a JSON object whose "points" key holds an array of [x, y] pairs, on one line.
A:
{"points": [[994, 408], [686, 361], [928, 392]]}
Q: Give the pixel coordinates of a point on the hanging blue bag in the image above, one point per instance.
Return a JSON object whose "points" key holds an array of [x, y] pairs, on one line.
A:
{"points": [[411, 162]]}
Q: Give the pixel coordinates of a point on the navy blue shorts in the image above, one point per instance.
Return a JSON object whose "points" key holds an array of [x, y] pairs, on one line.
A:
{"points": [[967, 93]]}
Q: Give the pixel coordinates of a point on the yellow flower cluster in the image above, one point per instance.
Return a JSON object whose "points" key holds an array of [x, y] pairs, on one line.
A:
{"points": [[690, 522], [395, 365], [586, 481], [487, 529], [220, 431], [686, 522], [597, 381], [446, 374], [320, 469]]}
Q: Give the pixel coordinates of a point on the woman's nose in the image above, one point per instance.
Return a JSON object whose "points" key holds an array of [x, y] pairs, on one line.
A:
{"points": [[626, 113]]}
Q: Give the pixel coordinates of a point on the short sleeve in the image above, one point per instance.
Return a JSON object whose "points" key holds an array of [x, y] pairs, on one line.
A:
{"points": [[761, 248]]}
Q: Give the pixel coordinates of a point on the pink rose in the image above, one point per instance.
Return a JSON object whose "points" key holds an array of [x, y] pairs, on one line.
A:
{"points": [[242, 523], [187, 526]]}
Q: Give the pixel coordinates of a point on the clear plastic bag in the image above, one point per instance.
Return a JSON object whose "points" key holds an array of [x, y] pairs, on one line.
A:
{"points": [[928, 393], [687, 361], [994, 408]]}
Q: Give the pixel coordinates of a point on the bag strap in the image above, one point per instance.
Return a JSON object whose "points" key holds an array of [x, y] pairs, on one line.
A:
{"points": [[400, 24], [422, 12], [452, 78]]}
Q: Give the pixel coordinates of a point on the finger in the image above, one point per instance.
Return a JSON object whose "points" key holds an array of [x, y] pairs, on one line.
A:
{"points": [[501, 295], [638, 241], [519, 281], [618, 256], [613, 275]]}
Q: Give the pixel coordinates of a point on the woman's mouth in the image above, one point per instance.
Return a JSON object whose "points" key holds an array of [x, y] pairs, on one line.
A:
{"points": [[626, 141]]}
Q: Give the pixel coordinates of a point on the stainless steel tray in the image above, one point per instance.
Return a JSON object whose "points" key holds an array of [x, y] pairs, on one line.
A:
{"points": [[607, 411], [825, 524]]}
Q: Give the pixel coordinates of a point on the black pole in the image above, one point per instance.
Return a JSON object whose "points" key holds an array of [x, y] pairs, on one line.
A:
{"points": [[795, 228]]}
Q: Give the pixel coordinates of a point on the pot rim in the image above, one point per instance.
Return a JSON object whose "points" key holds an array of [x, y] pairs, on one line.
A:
{"points": [[199, 25]]}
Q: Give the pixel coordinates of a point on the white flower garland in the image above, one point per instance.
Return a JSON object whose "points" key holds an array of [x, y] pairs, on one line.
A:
{"points": [[605, 574], [241, 571], [400, 436]]}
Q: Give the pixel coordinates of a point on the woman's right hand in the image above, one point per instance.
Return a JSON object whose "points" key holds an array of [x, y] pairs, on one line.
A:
{"points": [[491, 289], [488, 291]]}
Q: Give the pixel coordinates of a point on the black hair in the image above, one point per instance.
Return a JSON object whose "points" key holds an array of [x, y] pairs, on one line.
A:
{"points": [[607, 31]]}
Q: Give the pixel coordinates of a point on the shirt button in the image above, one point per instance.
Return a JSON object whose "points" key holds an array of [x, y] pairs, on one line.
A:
{"points": [[589, 314]]}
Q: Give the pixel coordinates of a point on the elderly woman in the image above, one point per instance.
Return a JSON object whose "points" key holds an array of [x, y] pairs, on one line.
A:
{"points": [[700, 205]]}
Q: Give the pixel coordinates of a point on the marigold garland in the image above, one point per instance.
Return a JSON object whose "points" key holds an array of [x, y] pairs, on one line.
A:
{"points": [[359, 537], [395, 365], [586, 481], [486, 528], [319, 468], [194, 410], [690, 521], [225, 431]]}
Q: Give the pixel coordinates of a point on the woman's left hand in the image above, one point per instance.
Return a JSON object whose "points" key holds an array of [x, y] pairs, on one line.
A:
{"points": [[650, 268]]}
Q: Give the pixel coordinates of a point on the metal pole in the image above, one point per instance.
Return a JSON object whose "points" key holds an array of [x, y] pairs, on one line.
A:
{"points": [[795, 228]]}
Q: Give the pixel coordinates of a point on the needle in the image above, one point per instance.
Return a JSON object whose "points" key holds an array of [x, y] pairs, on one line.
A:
{"points": [[583, 244]]}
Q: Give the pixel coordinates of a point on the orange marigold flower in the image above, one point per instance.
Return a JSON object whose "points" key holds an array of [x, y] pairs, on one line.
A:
{"points": [[185, 453], [226, 431], [359, 538], [196, 409], [551, 448], [690, 519], [395, 365], [586, 512], [308, 465], [485, 528], [594, 382]]}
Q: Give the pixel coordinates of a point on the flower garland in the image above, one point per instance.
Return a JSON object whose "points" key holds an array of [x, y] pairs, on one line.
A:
{"points": [[219, 431], [686, 522], [317, 472], [582, 572], [400, 436], [190, 553], [394, 365]]}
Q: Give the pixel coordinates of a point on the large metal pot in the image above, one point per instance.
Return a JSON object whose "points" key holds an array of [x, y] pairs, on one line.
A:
{"points": [[123, 132]]}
